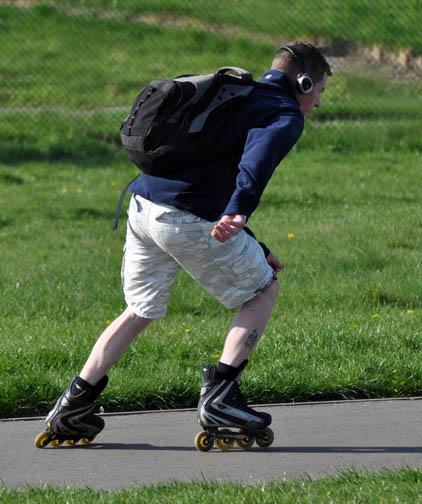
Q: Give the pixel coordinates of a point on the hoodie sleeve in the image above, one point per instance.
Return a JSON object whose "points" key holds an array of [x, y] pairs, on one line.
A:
{"points": [[265, 147]]}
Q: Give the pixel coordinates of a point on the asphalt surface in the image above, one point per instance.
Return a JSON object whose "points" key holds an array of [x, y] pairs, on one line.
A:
{"points": [[311, 440]]}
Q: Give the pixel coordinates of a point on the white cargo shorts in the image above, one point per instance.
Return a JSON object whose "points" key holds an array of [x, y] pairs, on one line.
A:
{"points": [[160, 239]]}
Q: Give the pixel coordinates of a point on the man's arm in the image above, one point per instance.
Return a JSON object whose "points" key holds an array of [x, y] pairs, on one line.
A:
{"points": [[265, 147]]}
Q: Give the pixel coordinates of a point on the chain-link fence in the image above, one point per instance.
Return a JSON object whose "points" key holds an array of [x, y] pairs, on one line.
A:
{"points": [[71, 68]]}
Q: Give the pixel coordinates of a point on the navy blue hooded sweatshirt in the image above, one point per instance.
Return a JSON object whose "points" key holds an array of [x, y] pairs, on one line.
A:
{"points": [[248, 149]]}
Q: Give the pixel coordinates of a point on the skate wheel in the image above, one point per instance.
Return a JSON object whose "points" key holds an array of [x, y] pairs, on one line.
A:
{"points": [[71, 442], [246, 442], [87, 440], [266, 438], [203, 441], [224, 443], [56, 442], [43, 438]]}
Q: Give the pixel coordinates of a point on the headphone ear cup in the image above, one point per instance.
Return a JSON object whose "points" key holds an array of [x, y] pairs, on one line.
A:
{"points": [[304, 84]]}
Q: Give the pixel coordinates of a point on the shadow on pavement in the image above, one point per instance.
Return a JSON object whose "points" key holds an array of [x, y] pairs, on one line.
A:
{"points": [[272, 449]]}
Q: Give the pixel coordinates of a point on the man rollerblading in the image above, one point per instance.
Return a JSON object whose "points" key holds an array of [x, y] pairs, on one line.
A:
{"points": [[196, 220]]}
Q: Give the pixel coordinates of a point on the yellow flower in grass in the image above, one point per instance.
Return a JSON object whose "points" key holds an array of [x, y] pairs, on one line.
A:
{"points": [[410, 311], [79, 190], [64, 190], [290, 235], [376, 315], [114, 184], [187, 330], [217, 356], [354, 326], [108, 322]]}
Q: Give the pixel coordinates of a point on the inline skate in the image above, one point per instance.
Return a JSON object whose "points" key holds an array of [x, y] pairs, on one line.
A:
{"points": [[72, 419], [222, 405]]}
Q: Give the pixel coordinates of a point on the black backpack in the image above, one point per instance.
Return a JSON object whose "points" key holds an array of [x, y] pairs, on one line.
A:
{"points": [[173, 123]]}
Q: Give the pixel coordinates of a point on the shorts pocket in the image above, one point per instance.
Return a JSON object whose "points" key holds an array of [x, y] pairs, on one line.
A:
{"points": [[243, 262]]}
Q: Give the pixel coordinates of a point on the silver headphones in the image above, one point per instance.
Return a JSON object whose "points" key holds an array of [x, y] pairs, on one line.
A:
{"points": [[304, 83]]}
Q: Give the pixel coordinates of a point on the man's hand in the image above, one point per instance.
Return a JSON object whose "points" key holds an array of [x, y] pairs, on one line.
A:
{"points": [[228, 226], [274, 263]]}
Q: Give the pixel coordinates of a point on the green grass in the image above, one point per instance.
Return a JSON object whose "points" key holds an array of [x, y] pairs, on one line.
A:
{"points": [[403, 486], [67, 95], [347, 323], [349, 194], [72, 67], [395, 25], [39, 67], [117, 57]]}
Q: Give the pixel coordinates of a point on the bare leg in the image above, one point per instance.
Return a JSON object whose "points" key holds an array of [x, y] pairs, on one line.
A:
{"points": [[111, 344], [248, 326]]}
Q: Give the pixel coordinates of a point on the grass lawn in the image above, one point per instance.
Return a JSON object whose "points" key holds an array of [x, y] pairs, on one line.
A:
{"points": [[393, 487], [347, 322], [388, 23], [342, 212]]}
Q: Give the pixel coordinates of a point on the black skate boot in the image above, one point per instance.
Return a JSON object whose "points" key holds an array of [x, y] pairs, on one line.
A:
{"points": [[72, 419], [223, 405]]}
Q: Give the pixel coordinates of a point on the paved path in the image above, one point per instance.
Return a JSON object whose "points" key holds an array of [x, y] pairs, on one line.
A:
{"points": [[312, 440]]}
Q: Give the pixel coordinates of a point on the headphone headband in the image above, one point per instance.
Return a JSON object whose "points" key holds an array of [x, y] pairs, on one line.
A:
{"points": [[304, 83]]}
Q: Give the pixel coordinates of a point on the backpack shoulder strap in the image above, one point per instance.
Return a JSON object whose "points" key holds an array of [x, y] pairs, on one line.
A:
{"points": [[242, 73], [119, 204]]}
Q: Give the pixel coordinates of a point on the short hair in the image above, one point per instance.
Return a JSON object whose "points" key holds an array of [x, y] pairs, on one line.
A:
{"points": [[313, 60]]}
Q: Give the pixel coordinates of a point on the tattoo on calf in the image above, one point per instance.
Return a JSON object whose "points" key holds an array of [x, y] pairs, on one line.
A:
{"points": [[251, 339]]}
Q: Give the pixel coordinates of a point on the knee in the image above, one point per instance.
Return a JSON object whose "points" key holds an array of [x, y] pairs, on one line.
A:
{"points": [[131, 318]]}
